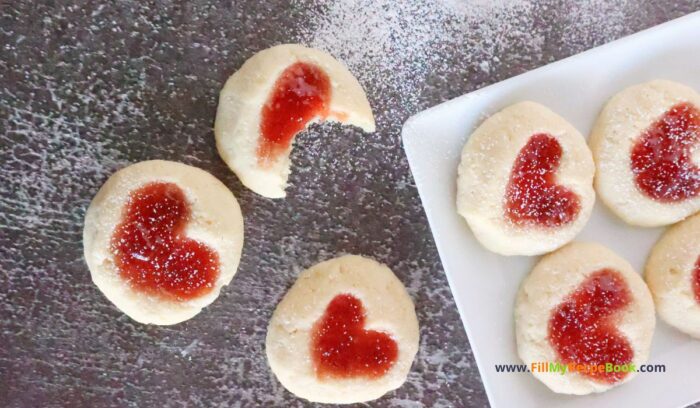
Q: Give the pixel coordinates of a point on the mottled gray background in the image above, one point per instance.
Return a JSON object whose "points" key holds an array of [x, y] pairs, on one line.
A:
{"points": [[90, 86]]}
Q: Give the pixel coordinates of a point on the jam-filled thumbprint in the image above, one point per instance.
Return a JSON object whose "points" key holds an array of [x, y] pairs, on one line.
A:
{"points": [[583, 330], [151, 249], [341, 346], [533, 197], [302, 93], [662, 158]]}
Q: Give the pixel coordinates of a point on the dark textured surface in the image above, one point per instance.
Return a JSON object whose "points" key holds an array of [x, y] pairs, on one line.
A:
{"points": [[88, 88]]}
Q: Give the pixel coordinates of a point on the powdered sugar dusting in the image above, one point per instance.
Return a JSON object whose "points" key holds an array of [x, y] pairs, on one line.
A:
{"points": [[394, 46], [595, 22], [58, 148]]}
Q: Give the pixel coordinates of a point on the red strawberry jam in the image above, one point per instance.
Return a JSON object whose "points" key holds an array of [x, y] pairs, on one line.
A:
{"points": [[532, 196], [151, 250], [696, 280], [302, 92], [342, 348], [582, 328], [662, 158]]}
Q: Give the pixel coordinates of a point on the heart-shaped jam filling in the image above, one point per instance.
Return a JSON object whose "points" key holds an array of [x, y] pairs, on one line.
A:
{"points": [[662, 158], [532, 196], [696, 280], [342, 348], [301, 93], [151, 250], [582, 328]]}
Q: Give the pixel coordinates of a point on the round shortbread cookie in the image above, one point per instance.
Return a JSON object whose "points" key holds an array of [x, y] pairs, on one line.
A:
{"points": [[525, 183], [673, 275], [245, 101], [642, 176], [157, 216], [583, 304], [313, 364]]}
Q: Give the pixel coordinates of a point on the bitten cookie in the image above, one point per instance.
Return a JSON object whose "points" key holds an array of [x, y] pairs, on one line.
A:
{"points": [[646, 145], [345, 332], [525, 183], [584, 307], [274, 96], [673, 275], [161, 239]]}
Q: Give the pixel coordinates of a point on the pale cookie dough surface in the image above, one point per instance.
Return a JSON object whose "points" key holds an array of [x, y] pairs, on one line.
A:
{"points": [[388, 309], [485, 170], [555, 277], [216, 221], [619, 126], [669, 273], [237, 126]]}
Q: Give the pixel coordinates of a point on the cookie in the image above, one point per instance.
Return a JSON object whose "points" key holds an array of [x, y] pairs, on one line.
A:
{"points": [[275, 95], [161, 239], [583, 308], [646, 145], [673, 275], [345, 332], [525, 181]]}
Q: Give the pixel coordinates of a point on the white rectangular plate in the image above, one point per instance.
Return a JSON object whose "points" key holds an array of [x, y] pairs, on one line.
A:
{"points": [[484, 284]]}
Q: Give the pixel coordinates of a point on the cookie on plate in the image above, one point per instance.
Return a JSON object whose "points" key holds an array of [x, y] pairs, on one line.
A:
{"points": [[161, 239], [274, 96], [525, 182], [345, 332], [673, 275], [584, 320], [646, 145]]}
